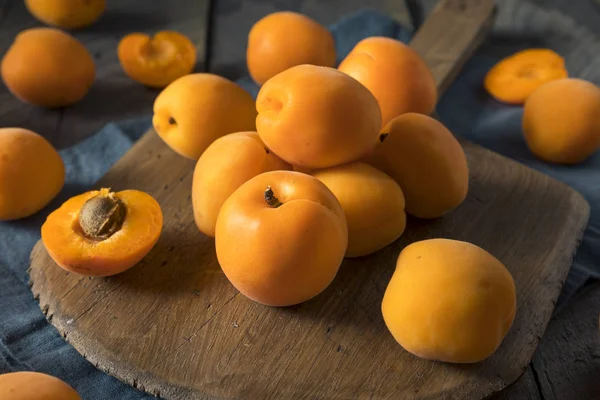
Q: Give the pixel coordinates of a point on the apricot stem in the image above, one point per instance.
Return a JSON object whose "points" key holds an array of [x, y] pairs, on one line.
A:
{"points": [[101, 216], [271, 199], [383, 136], [172, 121]]}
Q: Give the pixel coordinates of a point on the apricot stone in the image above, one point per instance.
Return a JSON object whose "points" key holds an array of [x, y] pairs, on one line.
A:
{"points": [[450, 301], [199, 108], [27, 385], [67, 14], [226, 164], [317, 117], [32, 173], [48, 68], [373, 204]]}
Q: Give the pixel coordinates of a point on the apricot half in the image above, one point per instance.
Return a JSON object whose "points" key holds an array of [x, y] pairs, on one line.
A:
{"points": [[317, 117], [197, 109], [373, 204], [159, 60], [281, 237], [28, 385], [48, 68], [561, 121], [450, 301], [102, 233], [67, 14], [284, 39], [226, 164], [395, 74], [32, 173], [427, 161]]}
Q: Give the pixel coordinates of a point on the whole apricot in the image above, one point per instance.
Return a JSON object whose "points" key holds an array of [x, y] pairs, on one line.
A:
{"points": [[32, 173], [48, 68], [427, 161], [284, 39], [561, 121], [281, 237], [395, 74], [67, 14], [450, 301], [102, 233], [317, 117], [373, 204], [28, 385], [226, 164], [197, 109]]}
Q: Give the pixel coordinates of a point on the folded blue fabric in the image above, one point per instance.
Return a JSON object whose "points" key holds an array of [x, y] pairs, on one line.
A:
{"points": [[28, 342]]}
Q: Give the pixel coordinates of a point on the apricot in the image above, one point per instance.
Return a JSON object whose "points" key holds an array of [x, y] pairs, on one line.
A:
{"points": [[372, 202], [102, 233], [48, 68], [281, 237], [67, 14], [226, 164], [427, 161], [156, 61], [196, 109], [27, 385], [32, 173], [449, 301], [561, 121], [284, 39], [317, 117], [396, 75]]}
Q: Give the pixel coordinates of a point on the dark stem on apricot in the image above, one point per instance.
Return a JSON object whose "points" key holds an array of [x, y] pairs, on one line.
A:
{"points": [[271, 199], [267, 150], [383, 136], [172, 121], [102, 216]]}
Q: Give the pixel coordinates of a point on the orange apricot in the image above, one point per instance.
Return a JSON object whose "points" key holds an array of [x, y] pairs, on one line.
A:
{"points": [[156, 61], [196, 109], [28, 385], [284, 39], [48, 68], [373, 204], [102, 233], [67, 14], [281, 237], [561, 121], [226, 164], [317, 117], [449, 300], [395, 74], [515, 77], [427, 161], [32, 173]]}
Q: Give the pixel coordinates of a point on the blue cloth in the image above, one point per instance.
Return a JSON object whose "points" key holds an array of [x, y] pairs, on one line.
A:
{"points": [[28, 342]]}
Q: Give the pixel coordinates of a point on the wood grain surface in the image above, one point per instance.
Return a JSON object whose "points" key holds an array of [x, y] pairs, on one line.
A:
{"points": [[175, 327]]}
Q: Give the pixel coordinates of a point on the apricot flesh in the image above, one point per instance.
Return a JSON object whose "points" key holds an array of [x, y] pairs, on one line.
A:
{"points": [[427, 161], [396, 75], [69, 245], [317, 117], [281, 237], [32, 173], [373, 204], [28, 385], [67, 14], [560, 121], [450, 301], [196, 109], [48, 68], [284, 39], [226, 164]]}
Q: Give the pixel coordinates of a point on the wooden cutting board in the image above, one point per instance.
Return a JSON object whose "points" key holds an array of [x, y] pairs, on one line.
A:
{"points": [[175, 327]]}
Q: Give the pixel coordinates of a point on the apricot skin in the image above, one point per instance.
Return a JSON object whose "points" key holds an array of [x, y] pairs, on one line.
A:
{"points": [[48, 68], [228, 162], [317, 117], [449, 301], [286, 255], [282, 40], [560, 121], [373, 204], [199, 108], [67, 14], [427, 161], [32, 173], [395, 74], [27, 385]]}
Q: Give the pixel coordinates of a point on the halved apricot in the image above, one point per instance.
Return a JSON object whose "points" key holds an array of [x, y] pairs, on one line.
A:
{"points": [[103, 233], [158, 60]]}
